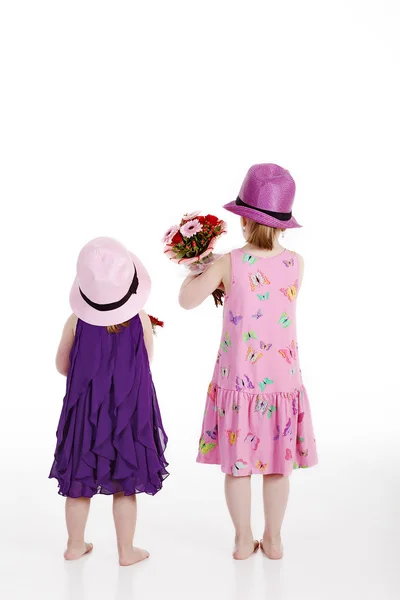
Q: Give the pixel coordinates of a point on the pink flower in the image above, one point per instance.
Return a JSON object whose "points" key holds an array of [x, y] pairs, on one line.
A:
{"points": [[190, 216], [190, 228], [167, 239]]}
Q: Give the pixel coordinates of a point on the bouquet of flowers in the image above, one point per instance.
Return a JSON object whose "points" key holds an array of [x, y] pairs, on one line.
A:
{"points": [[192, 244]]}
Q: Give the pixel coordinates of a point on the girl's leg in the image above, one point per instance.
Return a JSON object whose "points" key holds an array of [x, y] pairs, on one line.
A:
{"points": [[125, 513], [76, 514], [276, 494], [238, 499]]}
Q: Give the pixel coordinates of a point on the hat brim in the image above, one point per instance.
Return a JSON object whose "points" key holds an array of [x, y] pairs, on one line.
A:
{"points": [[132, 307], [259, 217]]}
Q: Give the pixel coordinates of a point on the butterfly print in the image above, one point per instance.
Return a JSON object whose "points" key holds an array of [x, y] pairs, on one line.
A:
{"points": [[249, 259], [288, 429], [261, 405], [284, 320], [288, 455], [235, 407], [226, 343], [248, 335], [214, 433], [253, 356], [249, 384], [263, 384], [258, 314], [219, 357], [302, 453], [238, 466], [261, 466], [232, 436], [294, 407], [300, 417], [212, 391], [263, 296], [289, 263], [219, 410], [206, 448], [271, 409], [257, 279], [234, 320], [265, 346], [293, 371], [241, 384], [300, 440], [291, 291], [253, 440], [225, 371], [289, 353], [278, 433]]}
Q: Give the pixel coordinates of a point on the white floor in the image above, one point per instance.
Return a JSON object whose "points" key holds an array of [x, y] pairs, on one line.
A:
{"points": [[341, 537]]}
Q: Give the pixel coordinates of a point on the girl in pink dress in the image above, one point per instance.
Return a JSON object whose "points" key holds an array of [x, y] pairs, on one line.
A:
{"points": [[257, 418]]}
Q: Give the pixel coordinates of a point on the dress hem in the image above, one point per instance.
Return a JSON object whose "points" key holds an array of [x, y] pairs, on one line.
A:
{"points": [[257, 471], [102, 490]]}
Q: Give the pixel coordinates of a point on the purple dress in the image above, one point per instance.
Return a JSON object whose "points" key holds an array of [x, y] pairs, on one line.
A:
{"points": [[110, 436]]}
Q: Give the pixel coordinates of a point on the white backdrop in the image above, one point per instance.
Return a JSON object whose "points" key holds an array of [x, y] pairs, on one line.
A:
{"points": [[118, 117]]}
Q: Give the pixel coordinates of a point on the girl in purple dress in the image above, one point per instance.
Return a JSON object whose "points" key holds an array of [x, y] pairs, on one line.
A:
{"points": [[110, 437]]}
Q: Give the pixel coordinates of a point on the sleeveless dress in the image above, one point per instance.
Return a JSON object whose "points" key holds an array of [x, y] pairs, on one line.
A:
{"points": [[110, 436], [257, 417]]}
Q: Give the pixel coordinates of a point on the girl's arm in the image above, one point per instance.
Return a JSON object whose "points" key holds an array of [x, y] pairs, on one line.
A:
{"points": [[195, 289], [147, 333], [64, 348]]}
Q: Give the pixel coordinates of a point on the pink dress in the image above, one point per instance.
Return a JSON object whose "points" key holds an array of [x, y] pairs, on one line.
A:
{"points": [[257, 417]]}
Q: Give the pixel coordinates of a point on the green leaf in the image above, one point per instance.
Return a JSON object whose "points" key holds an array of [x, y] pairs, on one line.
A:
{"points": [[181, 254]]}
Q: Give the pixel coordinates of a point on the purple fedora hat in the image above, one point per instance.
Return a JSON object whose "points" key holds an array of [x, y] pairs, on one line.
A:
{"points": [[266, 196]]}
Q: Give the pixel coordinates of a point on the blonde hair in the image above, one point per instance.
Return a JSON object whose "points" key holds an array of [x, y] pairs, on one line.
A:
{"points": [[117, 328], [261, 236]]}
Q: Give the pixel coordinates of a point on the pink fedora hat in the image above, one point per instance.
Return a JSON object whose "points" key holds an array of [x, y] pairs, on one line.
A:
{"points": [[266, 196], [111, 285]]}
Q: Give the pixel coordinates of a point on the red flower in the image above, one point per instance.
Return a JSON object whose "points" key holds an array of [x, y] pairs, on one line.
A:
{"points": [[156, 322], [202, 220], [177, 239], [212, 219]]}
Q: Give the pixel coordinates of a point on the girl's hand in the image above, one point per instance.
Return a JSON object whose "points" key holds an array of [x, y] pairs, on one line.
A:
{"points": [[195, 289]]}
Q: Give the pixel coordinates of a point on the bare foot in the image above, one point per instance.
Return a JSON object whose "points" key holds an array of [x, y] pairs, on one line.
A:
{"points": [[272, 547], [131, 556], [244, 548], [75, 552]]}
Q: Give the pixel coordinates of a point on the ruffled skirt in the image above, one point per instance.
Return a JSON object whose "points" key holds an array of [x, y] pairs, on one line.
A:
{"points": [[257, 433], [108, 447]]}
